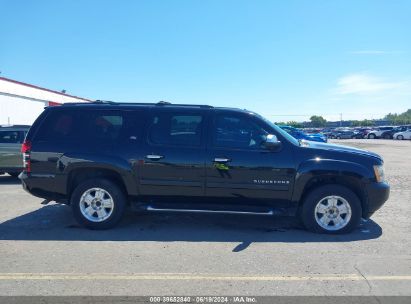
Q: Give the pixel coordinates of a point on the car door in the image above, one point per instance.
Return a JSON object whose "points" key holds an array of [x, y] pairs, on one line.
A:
{"points": [[240, 170], [10, 146], [173, 162]]}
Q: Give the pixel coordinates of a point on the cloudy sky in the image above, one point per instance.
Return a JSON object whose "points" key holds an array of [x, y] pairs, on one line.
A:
{"points": [[284, 59]]}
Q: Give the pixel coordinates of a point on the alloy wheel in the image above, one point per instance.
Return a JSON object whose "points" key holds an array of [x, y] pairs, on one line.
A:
{"points": [[332, 213], [96, 205]]}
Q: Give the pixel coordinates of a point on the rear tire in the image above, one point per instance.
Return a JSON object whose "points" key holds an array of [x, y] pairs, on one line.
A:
{"points": [[331, 209], [98, 204], [400, 137], [372, 136]]}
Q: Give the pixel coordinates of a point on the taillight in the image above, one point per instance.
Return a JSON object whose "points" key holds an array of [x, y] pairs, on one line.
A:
{"points": [[25, 149]]}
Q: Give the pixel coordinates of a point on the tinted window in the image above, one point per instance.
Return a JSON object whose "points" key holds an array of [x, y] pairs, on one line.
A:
{"points": [[61, 126], [237, 132], [105, 126], [10, 137], [91, 125], [175, 129]]}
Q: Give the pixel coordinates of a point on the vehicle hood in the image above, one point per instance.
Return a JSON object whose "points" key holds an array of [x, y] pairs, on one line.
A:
{"points": [[339, 148]]}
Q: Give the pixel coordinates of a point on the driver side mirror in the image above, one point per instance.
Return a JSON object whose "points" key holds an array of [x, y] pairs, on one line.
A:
{"points": [[271, 142]]}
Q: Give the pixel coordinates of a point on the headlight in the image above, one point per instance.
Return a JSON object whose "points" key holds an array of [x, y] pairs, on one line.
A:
{"points": [[379, 173]]}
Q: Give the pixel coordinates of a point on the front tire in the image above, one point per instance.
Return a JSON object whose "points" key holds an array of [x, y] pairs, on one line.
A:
{"points": [[98, 204], [331, 209], [400, 137], [372, 136]]}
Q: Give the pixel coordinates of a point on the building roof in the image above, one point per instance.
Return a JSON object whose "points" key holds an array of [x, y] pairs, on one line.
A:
{"points": [[18, 88]]}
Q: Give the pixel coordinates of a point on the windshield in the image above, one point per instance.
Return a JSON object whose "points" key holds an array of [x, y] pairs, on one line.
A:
{"points": [[279, 130]]}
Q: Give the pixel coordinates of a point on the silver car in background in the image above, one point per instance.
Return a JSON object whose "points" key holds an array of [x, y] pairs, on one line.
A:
{"points": [[11, 139]]}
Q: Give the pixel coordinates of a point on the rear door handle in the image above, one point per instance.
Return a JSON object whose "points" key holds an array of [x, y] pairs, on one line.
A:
{"points": [[154, 156], [221, 160]]}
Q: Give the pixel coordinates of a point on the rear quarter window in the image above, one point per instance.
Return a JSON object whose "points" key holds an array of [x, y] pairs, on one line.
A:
{"points": [[90, 126]]}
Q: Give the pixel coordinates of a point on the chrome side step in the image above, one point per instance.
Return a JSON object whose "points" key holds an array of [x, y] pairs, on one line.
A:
{"points": [[150, 208]]}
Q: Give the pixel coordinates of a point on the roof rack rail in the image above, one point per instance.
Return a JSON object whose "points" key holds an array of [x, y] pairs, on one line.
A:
{"points": [[166, 103], [104, 101], [160, 103], [163, 103]]}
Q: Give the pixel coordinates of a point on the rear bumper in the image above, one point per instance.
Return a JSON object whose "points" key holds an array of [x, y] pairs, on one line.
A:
{"points": [[42, 186], [377, 195]]}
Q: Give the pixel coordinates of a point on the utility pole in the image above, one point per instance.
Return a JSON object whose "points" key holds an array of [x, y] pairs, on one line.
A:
{"points": [[340, 119]]}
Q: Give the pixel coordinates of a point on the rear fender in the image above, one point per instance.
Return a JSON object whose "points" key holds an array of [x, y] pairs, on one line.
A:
{"points": [[72, 162]]}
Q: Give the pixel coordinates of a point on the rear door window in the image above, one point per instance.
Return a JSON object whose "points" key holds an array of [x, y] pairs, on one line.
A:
{"points": [[175, 129], [104, 126]]}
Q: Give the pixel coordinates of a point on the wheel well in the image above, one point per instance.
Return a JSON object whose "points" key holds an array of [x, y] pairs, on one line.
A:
{"points": [[351, 183], [80, 175]]}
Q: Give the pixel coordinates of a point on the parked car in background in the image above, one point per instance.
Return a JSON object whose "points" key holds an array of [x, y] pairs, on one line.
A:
{"points": [[327, 132], [331, 135], [334, 133], [390, 133], [344, 134], [298, 134], [360, 133], [311, 130], [403, 135], [11, 139], [378, 132]]}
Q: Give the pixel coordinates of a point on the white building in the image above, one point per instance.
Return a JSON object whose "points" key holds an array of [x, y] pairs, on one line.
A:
{"points": [[21, 103]]}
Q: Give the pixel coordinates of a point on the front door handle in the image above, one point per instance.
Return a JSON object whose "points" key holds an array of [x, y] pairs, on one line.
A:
{"points": [[154, 156], [221, 160]]}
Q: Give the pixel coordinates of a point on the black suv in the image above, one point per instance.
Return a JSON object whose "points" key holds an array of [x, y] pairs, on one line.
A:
{"points": [[102, 157]]}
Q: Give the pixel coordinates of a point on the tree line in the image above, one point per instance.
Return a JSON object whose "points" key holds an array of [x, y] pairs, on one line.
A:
{"points": [[317, 121]]}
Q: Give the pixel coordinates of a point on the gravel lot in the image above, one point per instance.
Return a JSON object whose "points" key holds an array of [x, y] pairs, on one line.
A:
{"points": [[44, 252]]}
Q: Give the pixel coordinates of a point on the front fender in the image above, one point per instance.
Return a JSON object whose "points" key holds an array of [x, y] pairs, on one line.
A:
{"points": [[328, 168]]}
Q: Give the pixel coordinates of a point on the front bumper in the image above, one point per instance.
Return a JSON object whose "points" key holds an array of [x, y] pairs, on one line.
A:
{"points": [[377, 195]]}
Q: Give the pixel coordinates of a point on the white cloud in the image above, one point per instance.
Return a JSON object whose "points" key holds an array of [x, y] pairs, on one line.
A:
{"points": [[364, 84], [376, 52], [363, 95]]}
